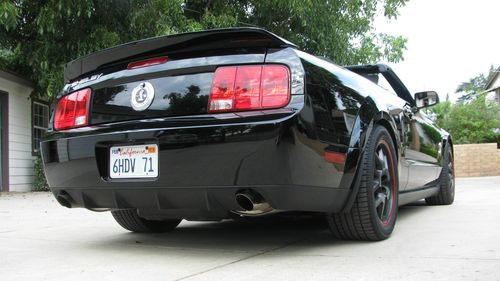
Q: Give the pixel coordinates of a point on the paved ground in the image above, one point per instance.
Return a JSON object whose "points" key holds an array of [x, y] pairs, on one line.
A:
{"points": [[39, 240]]}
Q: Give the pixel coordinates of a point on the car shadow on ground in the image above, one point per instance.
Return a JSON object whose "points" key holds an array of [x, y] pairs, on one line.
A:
{"points": [[248, 235]]}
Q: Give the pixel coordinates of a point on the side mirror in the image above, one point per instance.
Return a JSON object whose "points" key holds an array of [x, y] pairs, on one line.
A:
{"points": [[426, 99]]}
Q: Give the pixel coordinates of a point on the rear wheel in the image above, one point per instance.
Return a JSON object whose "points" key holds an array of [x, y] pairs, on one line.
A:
{"points": [[130, 220], [373, 214], [446, 194]]}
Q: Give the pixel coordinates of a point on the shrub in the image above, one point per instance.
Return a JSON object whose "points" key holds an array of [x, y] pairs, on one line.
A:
{"points": [[473, 122], [39, 181]]}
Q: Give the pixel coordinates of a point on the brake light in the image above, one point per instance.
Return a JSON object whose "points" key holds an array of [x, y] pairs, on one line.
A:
{"points": [[249, 87], [73, 110], [148, 62]]}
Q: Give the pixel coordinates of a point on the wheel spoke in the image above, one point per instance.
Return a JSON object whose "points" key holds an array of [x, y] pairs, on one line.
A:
{"points": [[387, 191], [379, 160], [380, 199], [386, 177], [382, 183], [380, 203]]}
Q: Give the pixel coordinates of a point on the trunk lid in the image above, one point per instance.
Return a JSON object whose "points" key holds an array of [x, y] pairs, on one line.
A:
{"points": [[181, 86]]}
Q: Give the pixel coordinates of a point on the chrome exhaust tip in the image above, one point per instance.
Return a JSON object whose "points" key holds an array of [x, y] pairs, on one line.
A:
{"points": [[64, 199], [246, 201], [252, 203]]}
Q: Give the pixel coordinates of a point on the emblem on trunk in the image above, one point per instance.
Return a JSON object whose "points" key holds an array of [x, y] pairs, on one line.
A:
{"points": [[142, 96]]}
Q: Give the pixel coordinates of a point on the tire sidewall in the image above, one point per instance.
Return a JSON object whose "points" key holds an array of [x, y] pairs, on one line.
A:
{"points": [[379, 136], [445, 183]]}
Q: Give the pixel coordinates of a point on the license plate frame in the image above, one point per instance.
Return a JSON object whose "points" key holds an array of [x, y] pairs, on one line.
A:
{"points": [[133, 161]]}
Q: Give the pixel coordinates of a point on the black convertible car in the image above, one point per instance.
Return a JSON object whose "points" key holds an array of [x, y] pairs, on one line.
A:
{"points": [[239, 122]]}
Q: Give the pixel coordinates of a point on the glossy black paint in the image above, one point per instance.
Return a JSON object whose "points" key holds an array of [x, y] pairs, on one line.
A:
{"points": [[175, 96], [207, 42], [421, 142], [206, 158]]}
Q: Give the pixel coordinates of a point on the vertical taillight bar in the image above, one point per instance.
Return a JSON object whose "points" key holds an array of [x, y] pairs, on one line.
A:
{"points": [[73, 110], [249, 87]]}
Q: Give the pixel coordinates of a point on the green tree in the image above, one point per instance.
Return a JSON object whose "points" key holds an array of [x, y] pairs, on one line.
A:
{"points": [[341, 29], [39, 180], [473, 122], [474, 86], [471, 119], [37, 37], [441, 110]]}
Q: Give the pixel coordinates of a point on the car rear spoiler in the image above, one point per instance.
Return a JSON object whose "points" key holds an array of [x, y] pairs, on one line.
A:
{"points": [[185, 42]]}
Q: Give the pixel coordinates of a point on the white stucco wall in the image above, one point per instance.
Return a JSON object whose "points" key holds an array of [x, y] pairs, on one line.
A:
{"points": [[20, 157]]}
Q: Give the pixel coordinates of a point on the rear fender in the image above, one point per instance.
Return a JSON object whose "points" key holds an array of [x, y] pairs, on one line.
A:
{"points": [[368, 117], [446, 141]]}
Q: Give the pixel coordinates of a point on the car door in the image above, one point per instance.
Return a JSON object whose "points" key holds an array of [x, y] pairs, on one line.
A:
{"points": [[420, 138], [422, 150]]}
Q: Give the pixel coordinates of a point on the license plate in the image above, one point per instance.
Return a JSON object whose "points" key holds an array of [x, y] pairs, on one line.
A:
{"points": [[133, 161]]}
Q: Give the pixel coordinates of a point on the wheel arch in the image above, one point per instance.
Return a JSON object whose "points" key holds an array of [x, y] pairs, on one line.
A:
{"points": [[450, 142], [381, 118], [447, 140], [387, 125]]}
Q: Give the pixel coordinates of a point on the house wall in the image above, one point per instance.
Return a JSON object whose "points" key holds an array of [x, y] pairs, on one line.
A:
{"points": [[20, 163], [493, 89], [495, 84], [493, 96], [475, 160]]}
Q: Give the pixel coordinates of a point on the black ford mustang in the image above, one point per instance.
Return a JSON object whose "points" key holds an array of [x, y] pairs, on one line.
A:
{"points": [[213, 124]]}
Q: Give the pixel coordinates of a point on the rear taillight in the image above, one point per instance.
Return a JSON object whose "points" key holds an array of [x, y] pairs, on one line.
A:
{"points": [[73, 110], [249, 87]]}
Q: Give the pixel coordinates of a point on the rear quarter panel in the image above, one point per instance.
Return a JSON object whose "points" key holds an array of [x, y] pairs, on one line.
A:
{"points": [[344, 106]]}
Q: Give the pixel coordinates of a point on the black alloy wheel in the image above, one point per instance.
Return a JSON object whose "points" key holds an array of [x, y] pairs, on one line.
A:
{"points": [[374, 211], [383, 183], [446, 194]]}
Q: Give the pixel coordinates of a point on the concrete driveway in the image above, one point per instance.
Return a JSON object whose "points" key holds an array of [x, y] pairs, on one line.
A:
{"points": [[39, 240]]}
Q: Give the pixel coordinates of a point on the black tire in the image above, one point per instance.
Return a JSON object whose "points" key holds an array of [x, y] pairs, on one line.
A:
{"points": [[446, 194], [130, 220], [374, 212]]}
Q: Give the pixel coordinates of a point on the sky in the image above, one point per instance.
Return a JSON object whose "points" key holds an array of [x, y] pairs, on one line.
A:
{"points": [[449, 42]]}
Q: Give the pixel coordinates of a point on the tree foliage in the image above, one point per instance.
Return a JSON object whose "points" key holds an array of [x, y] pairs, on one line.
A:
{"points": [[38, 36], [473, 122], [441, 110], [471, 119], [474, 86], [39, 180]]}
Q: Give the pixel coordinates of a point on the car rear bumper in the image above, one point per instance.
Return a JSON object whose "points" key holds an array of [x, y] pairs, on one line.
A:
{"points": [[202, 203], [201, 168]]}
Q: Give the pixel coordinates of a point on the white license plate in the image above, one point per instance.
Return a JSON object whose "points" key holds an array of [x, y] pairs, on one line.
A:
{"points": [[133, 161]]}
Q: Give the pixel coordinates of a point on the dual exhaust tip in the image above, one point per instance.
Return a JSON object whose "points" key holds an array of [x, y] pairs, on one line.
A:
{"points": [[252, 203]]}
